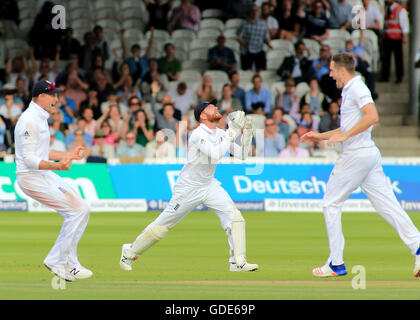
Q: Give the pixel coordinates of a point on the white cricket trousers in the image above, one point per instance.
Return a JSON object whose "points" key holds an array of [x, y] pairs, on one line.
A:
{"points": [[363, 168], [51, 190], [186, 198]]}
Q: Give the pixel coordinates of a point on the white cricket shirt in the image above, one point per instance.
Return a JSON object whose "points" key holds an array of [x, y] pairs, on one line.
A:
{"points": [[205, 148], [355, 96], [32, 139]]}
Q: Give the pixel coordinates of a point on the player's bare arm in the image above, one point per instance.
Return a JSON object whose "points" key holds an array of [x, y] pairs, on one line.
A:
{"points": [[63, 165], [370, 117], [77, 154], [314, 136]]}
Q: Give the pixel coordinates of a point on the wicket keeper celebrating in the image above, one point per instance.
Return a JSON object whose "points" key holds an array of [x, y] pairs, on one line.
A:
{"points": [[36, 178], [359, 165], [196, 185]]}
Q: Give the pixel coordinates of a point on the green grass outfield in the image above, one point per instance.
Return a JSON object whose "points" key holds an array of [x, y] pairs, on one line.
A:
{"points": [[191, 262]]}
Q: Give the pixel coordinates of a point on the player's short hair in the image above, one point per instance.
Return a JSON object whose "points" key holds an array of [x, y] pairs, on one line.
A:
{"points": [[344, 60]]}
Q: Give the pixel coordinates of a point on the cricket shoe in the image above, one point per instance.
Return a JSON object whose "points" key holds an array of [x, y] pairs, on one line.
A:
{"points": [[79, 272], [246, 267], [126, 259], [416, 271], [328, 270], [60, 272]]}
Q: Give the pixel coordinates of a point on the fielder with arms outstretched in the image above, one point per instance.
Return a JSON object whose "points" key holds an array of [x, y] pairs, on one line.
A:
{"points": [[36, 179], [196, 185], [359, 165]]}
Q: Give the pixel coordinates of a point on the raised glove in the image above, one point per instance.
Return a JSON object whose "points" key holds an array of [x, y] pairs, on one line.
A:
{"points": [[236, 119], [247, 132]]}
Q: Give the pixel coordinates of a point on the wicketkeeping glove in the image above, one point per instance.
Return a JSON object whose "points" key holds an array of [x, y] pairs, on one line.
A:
{"points": [[247, 132], [236, 122]]}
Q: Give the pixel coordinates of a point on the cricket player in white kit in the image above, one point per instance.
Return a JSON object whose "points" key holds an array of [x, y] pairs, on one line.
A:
{"points": [[196, 185], [36, 178], [359, 165]]}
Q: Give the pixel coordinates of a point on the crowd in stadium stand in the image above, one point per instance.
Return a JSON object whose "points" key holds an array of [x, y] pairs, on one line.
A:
{"points": [[129, 87]]}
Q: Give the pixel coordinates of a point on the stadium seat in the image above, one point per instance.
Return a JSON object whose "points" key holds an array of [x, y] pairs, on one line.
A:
{"points": [[180, 44], [83, 24], [233, 23], [161, 35], [275, 59], [335, 45], [313, 46], [133, 24], [209, 34], [190, 76], [80, 13], [27, 13], [217, 76], [269, 76], [284, 45], [197, 65], [234, 45], [230, 34], [211, 24], [200, 43], [338, 34], [198, 54], [291, 122], [105, 13], [186, 35], [211, 13], [302, 89], [23, 4], [109, 24], [134, 33], [26, 25], [279, 85], [77, 4], [98, 4]]}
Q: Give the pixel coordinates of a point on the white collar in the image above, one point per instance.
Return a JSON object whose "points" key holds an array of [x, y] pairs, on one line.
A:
{"points": [[349, 84], [207, 129], [44, 114]]}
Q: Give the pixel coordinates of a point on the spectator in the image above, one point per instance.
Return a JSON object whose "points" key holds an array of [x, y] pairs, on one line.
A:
{"points": [[237, 91], [271, 22], [22, 96], [56, 144], [102, 85], [137, 62], [293, 150], [169, 65], [238, 8], [396, 28], [321, 65], [154, 75], [75, 88], [183, 98], [66, 105], [111, 118], [134, 104], [287, 99], [289, 23], [3, 133], [18, 67], [158, 13], [109, 137], [42, 36], [3, 38], [101, 148], [340, 14], [185, 16], [297, 67], [302, 114], [373, 17], [282, 124], [72, 67], [251, 36], [101, 43], [87, 115], [79, 141], [91, 101], [205, 90], [165, 120], [317, 23], [361, 64], [129, 147], [274, 142], [331, 120], [71, 136], [69, 45], [159, 148], [314, 97], [87, 51], [129, 89], [9, 109], [112, 100], [56, 122], [141, 128], [258, 95], [9, 10], [221, 57], [227, 103], [44, 66]]}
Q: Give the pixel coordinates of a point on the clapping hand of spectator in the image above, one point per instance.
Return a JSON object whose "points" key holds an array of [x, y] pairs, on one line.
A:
{"points": [[155, 87]]}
